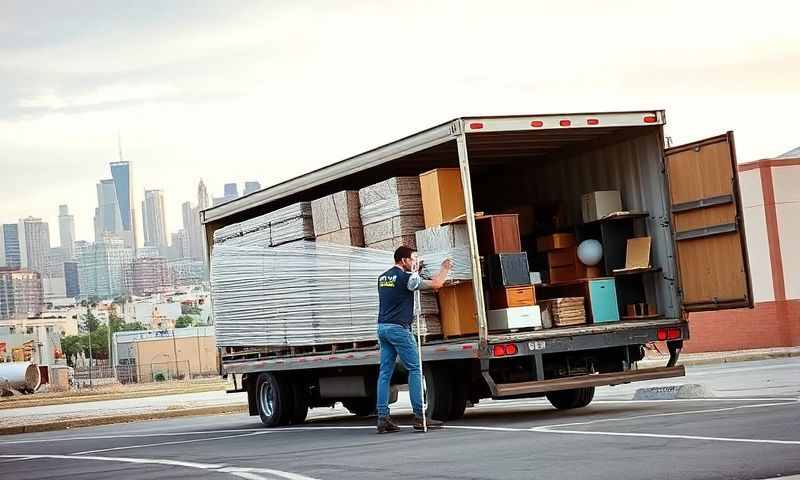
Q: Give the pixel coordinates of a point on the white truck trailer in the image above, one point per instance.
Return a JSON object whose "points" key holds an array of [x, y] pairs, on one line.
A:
{"points": [[688, 201]]}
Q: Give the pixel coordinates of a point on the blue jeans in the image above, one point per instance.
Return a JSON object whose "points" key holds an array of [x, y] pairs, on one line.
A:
{"points": [[397, 340]]}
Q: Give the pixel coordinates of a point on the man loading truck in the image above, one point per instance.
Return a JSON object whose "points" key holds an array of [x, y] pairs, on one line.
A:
{"points": [[396, 289]]}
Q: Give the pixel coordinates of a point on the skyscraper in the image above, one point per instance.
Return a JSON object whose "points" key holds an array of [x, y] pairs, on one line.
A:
{"points": [[71, 279], [250, 187], [10, 251], [155, 227], [121, 173], [107, 219], [34, 243], [66, 230], [231, 190], [102, 267], [202, 196], [21, 293]]}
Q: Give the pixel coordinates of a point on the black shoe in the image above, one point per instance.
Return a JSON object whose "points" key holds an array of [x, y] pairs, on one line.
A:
{"points": [[430, 423], [387, 425]]}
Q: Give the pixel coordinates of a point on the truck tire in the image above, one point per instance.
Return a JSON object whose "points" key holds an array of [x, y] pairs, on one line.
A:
{"points": [[567, 399], [459, 403], [274, 398], [300, 402], [438, 392], [362, 407]]}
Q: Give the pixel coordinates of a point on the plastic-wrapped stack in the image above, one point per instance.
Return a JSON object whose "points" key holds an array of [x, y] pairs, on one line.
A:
{"points": [[337, 219], [391, 213], [288, 224], [304, 293], [451, 241], [430, 324]]}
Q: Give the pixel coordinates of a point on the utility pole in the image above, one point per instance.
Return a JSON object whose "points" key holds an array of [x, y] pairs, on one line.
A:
{"points": [[89, 327], [175, 351]]}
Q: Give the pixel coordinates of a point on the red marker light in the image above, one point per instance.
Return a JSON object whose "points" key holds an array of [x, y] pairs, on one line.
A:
{"points": [[565, 123], [537, 123], [475, 125], [499, 350], [650, 119], [592, 121]]}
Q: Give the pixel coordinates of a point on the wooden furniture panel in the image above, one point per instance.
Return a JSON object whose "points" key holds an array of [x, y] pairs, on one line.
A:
{"points": [[442, 195], [511, 297], [457, 310], [498, 234]]}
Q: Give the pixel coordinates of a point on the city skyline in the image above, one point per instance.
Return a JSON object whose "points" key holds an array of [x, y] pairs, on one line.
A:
{"points": [[233, 94]]}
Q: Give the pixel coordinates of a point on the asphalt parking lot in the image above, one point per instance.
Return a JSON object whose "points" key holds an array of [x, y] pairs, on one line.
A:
{"points": [[750, 429]]}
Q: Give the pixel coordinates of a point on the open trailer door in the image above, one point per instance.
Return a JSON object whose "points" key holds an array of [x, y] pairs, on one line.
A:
{"points": [[708, 226]]}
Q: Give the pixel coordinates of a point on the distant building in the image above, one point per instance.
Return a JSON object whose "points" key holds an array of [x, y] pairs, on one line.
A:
{"points": [[10, 251], [188, 272], [147, 251], [122, 174], [21, 293], [179, 245], [231, 189], [53, 280], [102, 267], [250, 187], [155, 226], [150, 275], [202, 196], [34, 241], [107, 218], [151, 355], [66, 230], [71, 279]]}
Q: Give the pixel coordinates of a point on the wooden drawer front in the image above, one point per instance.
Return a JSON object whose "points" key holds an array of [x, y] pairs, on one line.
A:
{"points": [[511, 297]]}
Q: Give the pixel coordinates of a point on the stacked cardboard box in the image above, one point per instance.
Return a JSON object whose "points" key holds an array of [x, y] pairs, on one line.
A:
{"points": [[391, 213], [337, 219], [565, 311]]}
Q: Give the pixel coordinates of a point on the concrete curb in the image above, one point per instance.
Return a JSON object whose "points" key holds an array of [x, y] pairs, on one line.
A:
{"points": [[95, 421], [723, 357]]}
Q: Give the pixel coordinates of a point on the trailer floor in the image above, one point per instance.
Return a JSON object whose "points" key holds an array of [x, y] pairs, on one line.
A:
{"points": [[750, 431]]}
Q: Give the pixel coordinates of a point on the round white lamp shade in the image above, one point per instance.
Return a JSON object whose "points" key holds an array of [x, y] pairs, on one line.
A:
{"points": [[590, 252]]}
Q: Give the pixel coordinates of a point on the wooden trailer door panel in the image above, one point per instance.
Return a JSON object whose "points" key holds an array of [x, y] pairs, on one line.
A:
{"points": [[707, 225]]}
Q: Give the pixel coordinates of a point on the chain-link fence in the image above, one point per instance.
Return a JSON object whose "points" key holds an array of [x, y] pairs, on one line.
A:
{"points": [[144, 373]]}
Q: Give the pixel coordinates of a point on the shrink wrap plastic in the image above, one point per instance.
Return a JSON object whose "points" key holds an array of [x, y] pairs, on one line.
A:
{"points": [[436, 244], [284, 225], [302, 293]]}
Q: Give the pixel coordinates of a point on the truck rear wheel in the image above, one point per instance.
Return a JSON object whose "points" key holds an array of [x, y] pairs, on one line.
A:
{"points": [[300, 401], [567, 399], [438, 392], [274, 397]]}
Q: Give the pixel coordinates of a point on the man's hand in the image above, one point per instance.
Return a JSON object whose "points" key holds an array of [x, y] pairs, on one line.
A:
{"points": [[447, 264]]}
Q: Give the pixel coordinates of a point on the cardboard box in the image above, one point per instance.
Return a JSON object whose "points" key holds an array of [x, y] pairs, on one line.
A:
{"points": [[457, 310], [508, 270], [596, 205], [512, 297], [336, 212], [442, 195], [391, 244], [498, 234], [451, 241], [514, 318], [554, 242], [399, 226], [353, 237]]}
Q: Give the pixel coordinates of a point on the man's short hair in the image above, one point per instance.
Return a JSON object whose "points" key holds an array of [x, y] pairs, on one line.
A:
{"points": [[403, 252]]}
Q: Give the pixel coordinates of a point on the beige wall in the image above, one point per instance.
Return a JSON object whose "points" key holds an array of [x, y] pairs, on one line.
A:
{"points": [[199, 354], [755, 227], [786, 182]]}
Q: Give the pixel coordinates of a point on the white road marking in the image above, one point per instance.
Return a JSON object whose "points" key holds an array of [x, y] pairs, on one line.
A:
{"points": [[668, 414], [249, 473], [659, 435], [209, 439]]}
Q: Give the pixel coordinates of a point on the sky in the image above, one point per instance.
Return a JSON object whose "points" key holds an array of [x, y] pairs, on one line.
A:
{"points": [[235, 91]]}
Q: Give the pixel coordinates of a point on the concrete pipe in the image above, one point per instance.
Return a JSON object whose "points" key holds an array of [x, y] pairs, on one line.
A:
{"points": [[22, 376]]}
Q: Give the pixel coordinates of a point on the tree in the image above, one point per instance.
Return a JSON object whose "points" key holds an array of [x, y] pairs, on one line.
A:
{"points": [[184, 321], [132, 327], [90, 322], [190, 310], [73, 345]]}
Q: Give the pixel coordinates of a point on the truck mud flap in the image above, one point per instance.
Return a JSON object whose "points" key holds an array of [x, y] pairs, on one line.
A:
{"points": [[582, 381]]}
